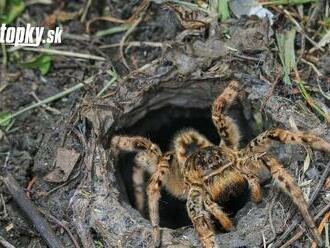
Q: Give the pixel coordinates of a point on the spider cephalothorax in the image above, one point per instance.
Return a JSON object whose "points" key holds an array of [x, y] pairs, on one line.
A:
{"points": [[201, 173]]}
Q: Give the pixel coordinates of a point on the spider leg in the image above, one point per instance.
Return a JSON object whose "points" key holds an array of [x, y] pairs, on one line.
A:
{"points": [[200, 218], [217, 212], [153, 192], [287, 183], [138, 186], [255, 189], [226, 126], [186, 142], [262, 142], [147, 156], [133, 144]]}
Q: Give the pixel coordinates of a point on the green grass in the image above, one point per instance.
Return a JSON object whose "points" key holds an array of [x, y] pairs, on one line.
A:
{"points": [[10, 9], [223, 9], [41, 62], [285, 44]]}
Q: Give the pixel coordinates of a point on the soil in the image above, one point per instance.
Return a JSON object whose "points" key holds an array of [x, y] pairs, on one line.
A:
{"points": [[173, 92]]}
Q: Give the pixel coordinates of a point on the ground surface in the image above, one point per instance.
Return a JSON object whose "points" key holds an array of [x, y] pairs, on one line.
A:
{"points": [[185, 70]]}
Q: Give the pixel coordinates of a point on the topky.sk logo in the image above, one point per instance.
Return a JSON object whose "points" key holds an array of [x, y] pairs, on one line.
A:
{"points": [[29, 35]]}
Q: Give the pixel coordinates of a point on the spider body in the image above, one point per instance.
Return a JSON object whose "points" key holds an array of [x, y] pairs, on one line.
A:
{"points": [[202, 173], [213, 170]]}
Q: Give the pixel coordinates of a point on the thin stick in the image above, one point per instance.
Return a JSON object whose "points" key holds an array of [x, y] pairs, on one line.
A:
{"points": [[320, 184], [4, 54], [190, 5], [113, 30], [322, 226], [299, 234], [293, 239], [300, 30], [59, 223], [322, 92], [83, 16], [136, 44], [109, 83], [122, 42], [310, 202], [48, 100], [3, 213], [318, 73], [270, 209], [59, 52], [29, 187], [5, 243], [53, 110], [30, 210]]}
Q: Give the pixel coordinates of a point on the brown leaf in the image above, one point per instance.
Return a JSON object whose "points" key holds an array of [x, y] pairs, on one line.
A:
{"points": [[65, 162]]}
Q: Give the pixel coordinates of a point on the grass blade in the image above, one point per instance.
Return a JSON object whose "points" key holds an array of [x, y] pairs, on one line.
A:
{"points": [[223, 10], [285, 44]]}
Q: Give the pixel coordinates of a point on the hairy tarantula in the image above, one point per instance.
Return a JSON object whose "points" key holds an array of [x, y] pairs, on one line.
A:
{"points": [[200, 172]]}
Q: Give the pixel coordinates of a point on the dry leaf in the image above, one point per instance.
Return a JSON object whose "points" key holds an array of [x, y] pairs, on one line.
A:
{"points": [[65, 162], [293, 123], [307, 162]]}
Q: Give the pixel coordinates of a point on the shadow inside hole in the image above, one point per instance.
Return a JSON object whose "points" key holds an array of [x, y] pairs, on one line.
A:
{"points": [[160, 127]]}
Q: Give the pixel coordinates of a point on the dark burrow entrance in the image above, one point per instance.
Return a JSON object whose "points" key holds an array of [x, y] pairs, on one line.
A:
{"points": [[160, 126]]}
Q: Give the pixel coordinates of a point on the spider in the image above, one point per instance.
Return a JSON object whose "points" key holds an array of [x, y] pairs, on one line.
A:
{"points": [[200, 172]]}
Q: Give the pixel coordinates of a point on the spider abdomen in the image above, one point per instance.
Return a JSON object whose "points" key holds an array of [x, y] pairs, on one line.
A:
{"points": [[225, 186]]}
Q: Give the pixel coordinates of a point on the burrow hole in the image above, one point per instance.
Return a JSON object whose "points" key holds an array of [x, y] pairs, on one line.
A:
{"points": [[161, 126]]}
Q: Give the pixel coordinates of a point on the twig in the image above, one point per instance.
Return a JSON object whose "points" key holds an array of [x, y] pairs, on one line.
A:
{"points": [[293, 239], [320, 184], [302, 231], [29, 209], [136, 44], [246, 57], [53, 110], [32, 2], [103, 18], [264, 239], [4, 213], [321, 226], [122, 42], [318, 73], [190, 5], [4, 54], [271, 219], [59, 223], [86, 8], [322, 92], [5, 84], [300, 29], [5, 243], [316, 13], [291, 228], [270, 92], [49, 99], [113, 30], [109, 83], [58, 52], [46, 194], [29, 187], [6, 160]]}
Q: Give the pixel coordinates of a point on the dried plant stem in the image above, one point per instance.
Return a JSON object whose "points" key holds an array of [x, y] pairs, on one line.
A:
{"points": [[30, 210], [48, 100]]}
